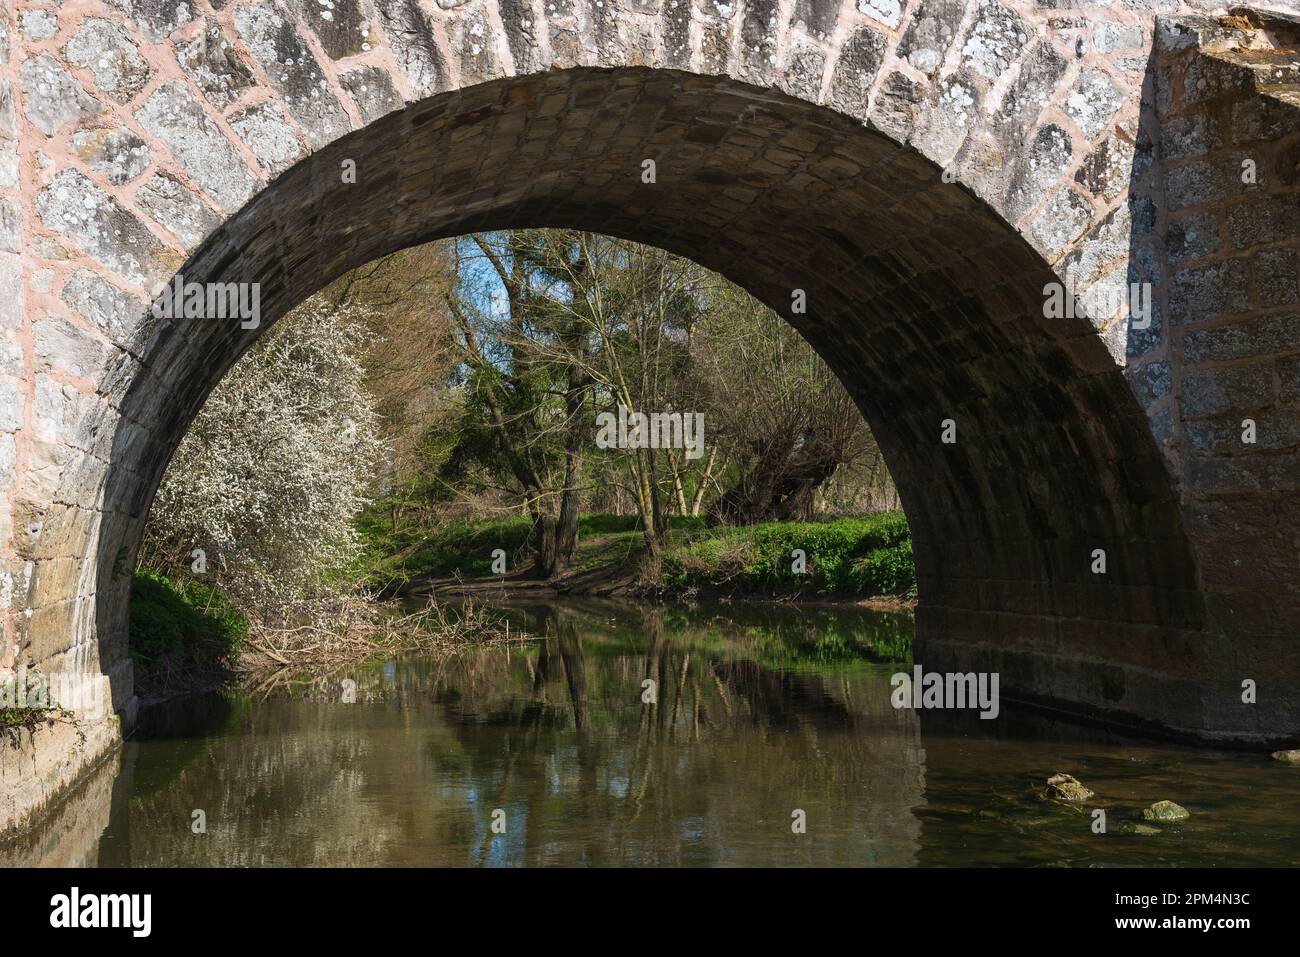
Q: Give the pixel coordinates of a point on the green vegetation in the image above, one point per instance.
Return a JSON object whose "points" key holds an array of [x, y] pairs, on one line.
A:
{"points": [[836, 647], [502, 394], [13, 719], [547, 373], [781, 637], [647, 427], [464, 548], [172, 617], [870, 555], [867, 556]]}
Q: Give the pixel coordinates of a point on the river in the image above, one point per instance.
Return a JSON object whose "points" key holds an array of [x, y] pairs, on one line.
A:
{"points": [[640, 735]]}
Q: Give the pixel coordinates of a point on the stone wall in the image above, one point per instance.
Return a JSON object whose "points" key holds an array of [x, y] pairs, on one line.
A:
{"points": [[922, 169], [76, 811], [1228, 102]]}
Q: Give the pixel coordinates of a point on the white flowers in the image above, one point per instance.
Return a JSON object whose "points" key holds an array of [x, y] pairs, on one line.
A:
{"points": [[275, 465]]}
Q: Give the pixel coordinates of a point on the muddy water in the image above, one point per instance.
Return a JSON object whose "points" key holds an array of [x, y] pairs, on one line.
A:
{"points": [[640, 736]]}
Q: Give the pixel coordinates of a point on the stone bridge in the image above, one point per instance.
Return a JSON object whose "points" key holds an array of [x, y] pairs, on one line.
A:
{"points": [[931, 173]]}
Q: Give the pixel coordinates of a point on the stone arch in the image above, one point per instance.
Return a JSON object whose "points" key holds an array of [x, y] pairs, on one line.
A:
{"points": [[933, 313], [798, 144]]}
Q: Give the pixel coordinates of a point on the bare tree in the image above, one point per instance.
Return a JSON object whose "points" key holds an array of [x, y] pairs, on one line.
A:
{"points": [[783, 421]]}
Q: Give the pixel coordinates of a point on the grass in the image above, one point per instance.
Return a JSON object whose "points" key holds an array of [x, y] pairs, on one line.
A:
{"points": [[180, 628], [464, 549], [866, 556]]}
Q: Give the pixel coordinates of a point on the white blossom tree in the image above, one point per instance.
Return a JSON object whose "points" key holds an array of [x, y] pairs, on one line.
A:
{"points": [[267, 480]]}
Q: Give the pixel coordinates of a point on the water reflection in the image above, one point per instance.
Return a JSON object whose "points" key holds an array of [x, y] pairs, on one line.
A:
{"points": [[649, 736]]}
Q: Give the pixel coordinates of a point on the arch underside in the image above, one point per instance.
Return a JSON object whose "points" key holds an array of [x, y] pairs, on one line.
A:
{"points": [[921, 298]]}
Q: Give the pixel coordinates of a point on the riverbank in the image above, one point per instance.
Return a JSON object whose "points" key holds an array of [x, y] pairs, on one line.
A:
{"points": [[187, 638], [864, 559]]}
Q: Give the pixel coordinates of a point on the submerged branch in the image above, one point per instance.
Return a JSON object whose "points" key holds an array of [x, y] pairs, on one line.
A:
{"points": [[362, 629]]}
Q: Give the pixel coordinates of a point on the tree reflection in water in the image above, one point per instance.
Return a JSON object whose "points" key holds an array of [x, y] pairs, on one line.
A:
{"points": [[756, 712]]}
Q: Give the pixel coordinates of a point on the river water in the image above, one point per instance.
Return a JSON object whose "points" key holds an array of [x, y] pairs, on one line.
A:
{"points": [[636, 735]]}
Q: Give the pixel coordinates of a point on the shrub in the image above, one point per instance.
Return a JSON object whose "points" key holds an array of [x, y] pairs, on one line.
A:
{"points": [[171, 618], [273, 468]]}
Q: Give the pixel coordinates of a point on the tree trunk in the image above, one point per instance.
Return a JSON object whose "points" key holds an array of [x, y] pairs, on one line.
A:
{"points": [[566, 531], [704, 482], [779, 486], [679, 490], [545, 553], [575, 403]]}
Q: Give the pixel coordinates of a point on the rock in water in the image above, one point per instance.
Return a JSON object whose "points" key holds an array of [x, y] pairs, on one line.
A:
{"points": [[1165, 812], [1066, 787], [1287, 757], [1130, 827]]}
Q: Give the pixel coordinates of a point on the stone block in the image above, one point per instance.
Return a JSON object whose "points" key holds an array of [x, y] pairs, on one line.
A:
{"points": [[1237, 388], [293, 71], [80, 211], [175, 117], [216, 68], [51, 97], [107, 51]]}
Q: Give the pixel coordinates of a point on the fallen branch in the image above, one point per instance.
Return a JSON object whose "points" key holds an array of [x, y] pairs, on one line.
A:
{"points": [[361, 629]]}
